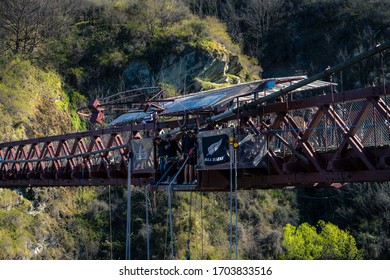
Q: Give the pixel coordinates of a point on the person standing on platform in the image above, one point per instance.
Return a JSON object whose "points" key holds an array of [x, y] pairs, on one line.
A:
{"points": [[189, 144], [162, 154], [172, 153]]}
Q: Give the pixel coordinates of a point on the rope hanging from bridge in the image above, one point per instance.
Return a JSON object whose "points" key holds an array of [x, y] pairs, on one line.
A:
{"points": [[235, 145], [110, 219], [128, 220], [166, 237], [189, 230], [233, 183], [169, 217], [231, 141], [196, 239], [79, 204], [147, 222], [201, 224], [170, 189], [170, 221]]}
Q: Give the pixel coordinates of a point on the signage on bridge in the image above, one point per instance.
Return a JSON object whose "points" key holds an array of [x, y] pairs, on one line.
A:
{"points": [[215, 149], [143, 154]]}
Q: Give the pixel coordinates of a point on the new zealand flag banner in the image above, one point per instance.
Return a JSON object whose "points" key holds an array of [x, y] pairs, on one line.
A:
{"points": [[215, 149]]}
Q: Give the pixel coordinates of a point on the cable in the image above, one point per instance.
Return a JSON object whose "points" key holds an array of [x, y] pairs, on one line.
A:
{"points": [[135, 95], [201, 223], [128, 220], [170, 221], [196, 236], [79, 204], [231, 140], [110, 208], [147, 221], [168, 170], [189, 229], [236, 196], [170, 189], [166, 237], [185, 121]]}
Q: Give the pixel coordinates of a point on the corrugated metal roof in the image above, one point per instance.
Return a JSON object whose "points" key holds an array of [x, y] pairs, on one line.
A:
{"points": [[207, 100], [131, 116], [280, 86]]}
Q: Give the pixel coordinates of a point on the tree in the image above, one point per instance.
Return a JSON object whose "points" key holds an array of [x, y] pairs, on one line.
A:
{"points": [[158, 14], [327, 241], [25, 24], [21, 22], [302, 242], [260, 16]]}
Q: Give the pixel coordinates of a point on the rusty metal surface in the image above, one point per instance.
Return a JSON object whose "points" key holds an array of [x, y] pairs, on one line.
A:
{"points": [[345, 138]]}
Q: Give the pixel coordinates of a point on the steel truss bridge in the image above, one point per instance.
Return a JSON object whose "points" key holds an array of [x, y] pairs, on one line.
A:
{"points": [[326, 138]]}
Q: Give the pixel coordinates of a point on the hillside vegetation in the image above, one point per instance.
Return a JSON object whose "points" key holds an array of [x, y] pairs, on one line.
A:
{"points": [[33, 102], [57, 54]]}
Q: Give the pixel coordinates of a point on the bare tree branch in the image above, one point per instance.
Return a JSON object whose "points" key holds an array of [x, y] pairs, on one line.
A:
{"points": [[26, 24], [260, 15]]}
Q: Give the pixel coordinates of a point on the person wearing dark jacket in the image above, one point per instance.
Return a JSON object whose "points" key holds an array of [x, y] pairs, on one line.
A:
{"points": [[189, 144], [172, 153], [162, 155]]}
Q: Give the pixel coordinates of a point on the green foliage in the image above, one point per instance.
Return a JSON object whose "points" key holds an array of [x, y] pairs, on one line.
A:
{"points": [[58, 223], [98, 48], [205, 85], [304, 37], [364, 209], [361, 208], [169, 90], [327, 242], [32, 100], [15, 225], [76, 100], [217, 39], [302, 243], [338, 244], [92, 46], [217, 33], [206, 228]]}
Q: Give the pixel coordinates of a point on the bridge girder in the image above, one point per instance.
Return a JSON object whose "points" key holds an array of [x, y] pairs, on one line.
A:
{"points": [[100, 157]]}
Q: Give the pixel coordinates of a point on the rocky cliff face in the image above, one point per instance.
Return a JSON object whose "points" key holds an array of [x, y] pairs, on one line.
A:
{"points": [[191, 70]]}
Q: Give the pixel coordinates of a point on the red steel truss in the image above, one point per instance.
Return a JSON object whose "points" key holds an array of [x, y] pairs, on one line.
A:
{"points": [[344, 139]]}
